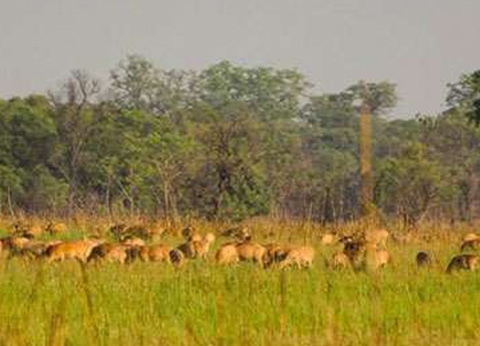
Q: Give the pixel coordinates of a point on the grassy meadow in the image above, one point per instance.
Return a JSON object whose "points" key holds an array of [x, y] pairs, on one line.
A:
{"points": [[201, 303]]}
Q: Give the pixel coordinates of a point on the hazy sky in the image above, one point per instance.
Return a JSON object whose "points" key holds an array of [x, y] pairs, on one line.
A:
{"points": [[419, 44]]}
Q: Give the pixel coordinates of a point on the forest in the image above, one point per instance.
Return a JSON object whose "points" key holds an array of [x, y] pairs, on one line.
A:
{"points": [[233, 142]]}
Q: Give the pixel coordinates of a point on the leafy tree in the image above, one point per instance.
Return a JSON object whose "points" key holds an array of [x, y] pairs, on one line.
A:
{"points": [[465, 96], [244, 114], [28, 139], [169, 154], [10, 185], [409, 185], [330, 137], [270, 94], [231, 142], [136, 84], [455, 142], [232, 180]]}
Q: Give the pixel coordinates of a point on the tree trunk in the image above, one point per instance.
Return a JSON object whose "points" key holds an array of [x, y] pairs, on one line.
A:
{"points": [[72, 194], [473, 200], [365, 160], [166, 198], [9, 201], [328, 209], [109, 197]]}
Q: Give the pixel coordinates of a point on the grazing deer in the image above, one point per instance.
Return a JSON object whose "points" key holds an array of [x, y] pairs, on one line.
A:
{"points": [[378, 237], [328, 239], [470, 236], [227, 254], [33, 249], [122, 232], [176, 257], [133, 241], [251, 251], [423, 259], [201, 247], [375, 258], [196, 246], [23, 229], [274, 254], [289, 255], [161, 253], [238, 233], [109, 252], [189, 233], [31, 229], [14, 244], [299, 256], [56, 228], [339, 261], [366, 254], [244, 250], [472, 244], [187, 250], [136, 231], [463, 262], [355, 251], [117, 230], [155, 253], [156, 232], [79, 249]]}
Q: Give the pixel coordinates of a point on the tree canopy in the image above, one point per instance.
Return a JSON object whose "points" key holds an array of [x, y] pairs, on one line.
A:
{"points": [[231, 142]]}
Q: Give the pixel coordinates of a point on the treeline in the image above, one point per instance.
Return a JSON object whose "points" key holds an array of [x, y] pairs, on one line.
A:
{"points": [[231, 142]]}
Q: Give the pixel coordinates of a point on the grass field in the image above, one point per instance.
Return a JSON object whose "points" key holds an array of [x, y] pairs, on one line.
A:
{"points": [[202, 304]]}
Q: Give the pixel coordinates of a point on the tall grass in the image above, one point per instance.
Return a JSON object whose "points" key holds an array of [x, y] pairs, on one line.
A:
{"points": [[204, 304]]}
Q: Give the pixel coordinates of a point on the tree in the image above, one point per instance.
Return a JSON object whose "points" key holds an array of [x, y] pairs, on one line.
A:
{"points": [[136, 84], [268, 93], [231, 142], [169, 153], [409, 185], [330, 137], [245, 115], [28, 139], [76, 113], [465, 96], [375, 99], [455, 142], [231, 180]]}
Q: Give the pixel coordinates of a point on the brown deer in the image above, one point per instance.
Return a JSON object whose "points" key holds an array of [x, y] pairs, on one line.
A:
{"points": [[463, 262]]}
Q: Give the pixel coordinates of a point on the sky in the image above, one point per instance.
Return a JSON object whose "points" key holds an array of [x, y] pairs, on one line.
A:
{"points": [[421, 45]]}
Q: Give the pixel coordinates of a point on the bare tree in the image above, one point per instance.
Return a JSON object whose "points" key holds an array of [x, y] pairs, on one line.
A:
{"points": [[75, 106]]}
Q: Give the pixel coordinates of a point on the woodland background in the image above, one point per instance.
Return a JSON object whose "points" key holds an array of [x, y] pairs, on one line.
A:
{"points": [[232, 142]]}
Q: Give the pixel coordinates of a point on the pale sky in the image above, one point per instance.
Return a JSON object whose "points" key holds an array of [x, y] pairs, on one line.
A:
{"points": [[419, 44]]}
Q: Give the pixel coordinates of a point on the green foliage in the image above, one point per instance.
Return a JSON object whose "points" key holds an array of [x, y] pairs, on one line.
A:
{"points": [[45, 191], [136, 84], [232, 142], [409, 184], [464, 96], [380, 97], [271, 94], [28, 139]]}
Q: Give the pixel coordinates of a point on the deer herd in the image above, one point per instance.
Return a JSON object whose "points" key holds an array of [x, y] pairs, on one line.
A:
{"points": [[365, 250]]}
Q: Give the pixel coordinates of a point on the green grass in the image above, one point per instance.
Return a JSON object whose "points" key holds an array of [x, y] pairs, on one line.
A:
{"points": [[203, 304]]}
